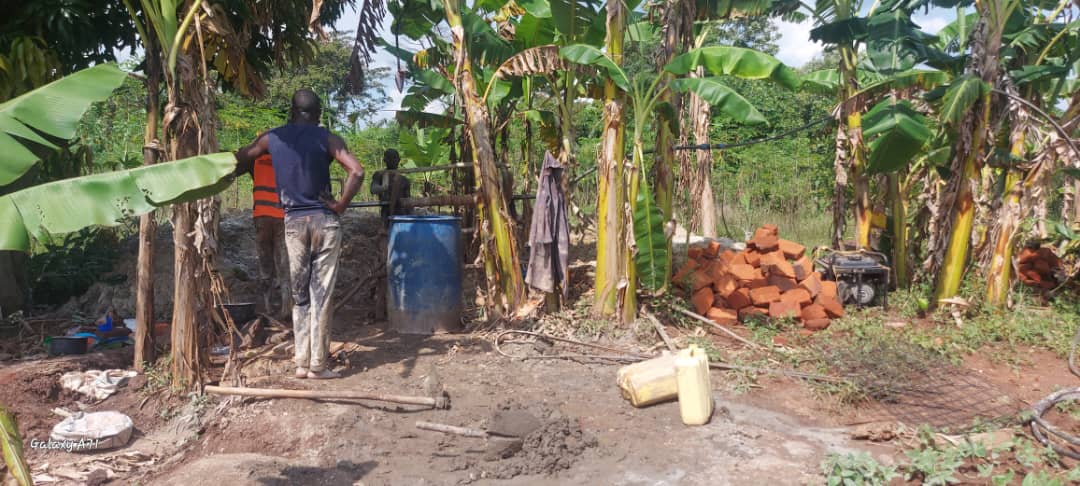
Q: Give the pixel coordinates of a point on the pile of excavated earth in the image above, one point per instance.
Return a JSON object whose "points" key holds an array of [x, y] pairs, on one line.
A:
{"points": [[772, 277]]}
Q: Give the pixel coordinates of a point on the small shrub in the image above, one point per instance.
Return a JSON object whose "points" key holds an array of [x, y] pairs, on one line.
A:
{"points": [[855, 470]]}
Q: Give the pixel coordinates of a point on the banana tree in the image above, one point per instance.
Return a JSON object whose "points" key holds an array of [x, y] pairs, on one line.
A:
{"points": [[647, 255]]}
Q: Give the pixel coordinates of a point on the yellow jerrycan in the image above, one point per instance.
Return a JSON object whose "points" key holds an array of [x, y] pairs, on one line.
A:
{"points": [[695, 392], [648, 382]]}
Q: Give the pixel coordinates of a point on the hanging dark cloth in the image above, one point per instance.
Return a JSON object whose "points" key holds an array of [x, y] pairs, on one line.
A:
{"points": [[549, 236]]}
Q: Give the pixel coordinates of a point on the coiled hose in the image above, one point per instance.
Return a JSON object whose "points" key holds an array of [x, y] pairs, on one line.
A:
{"points": [[1042, 429]]}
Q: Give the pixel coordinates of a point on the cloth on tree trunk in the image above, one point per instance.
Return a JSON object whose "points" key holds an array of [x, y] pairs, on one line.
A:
{"points": [[549, 236]]}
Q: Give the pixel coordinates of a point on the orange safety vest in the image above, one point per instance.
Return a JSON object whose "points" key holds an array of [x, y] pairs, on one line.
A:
{"points": [[264, 192]]}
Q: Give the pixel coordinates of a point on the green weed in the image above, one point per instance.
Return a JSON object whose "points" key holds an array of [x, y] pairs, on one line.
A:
{"points": [[856, 469]]}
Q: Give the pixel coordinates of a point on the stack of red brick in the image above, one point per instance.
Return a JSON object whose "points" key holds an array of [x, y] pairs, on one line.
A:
{"points": [[1037, 267], [773, 277]]}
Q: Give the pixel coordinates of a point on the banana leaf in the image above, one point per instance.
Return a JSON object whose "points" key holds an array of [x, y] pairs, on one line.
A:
{"points": [[589, 55], [12, 447], [104, 199], [721, 97], [960, 96], [54, 110], [652, 259], [735, 61], [897, 133]]}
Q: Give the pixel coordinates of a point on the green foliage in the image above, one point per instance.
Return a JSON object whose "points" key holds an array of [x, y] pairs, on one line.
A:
{"points": [[652, 259], [12, 447], [856, 469], [67, 267], [53, 110], [425, 146], [69, 205]]}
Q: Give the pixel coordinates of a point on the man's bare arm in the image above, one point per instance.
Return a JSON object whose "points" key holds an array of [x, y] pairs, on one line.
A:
{"points": [[355, 173], [245, 157]]}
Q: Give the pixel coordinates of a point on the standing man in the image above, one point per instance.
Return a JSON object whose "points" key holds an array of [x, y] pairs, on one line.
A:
{"points": [[391, 187], [269, 235], [302, 151]]}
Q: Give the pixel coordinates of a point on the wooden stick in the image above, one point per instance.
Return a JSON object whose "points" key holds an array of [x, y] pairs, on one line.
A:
{"points": [[451, 429], [660, 330], [722, 329], [437, 403]]}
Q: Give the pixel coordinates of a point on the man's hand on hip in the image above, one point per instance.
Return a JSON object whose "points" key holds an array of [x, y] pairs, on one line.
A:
{"points": [[338, 207]]}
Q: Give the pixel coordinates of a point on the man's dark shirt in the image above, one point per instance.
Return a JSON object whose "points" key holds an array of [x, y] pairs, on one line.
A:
{"points": [[302, 159]]}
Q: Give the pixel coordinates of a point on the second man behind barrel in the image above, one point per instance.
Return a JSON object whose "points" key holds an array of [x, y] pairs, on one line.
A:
{"points": [[391, 187]]}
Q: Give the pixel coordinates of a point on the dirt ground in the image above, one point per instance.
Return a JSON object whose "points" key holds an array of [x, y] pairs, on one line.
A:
{"points": [[578, 429]]}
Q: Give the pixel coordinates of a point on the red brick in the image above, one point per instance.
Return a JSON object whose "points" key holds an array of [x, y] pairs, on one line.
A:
{"points": [[694, 252], [727, 256], [816, 324], [783, 309], [700, 279], [747, 313], [1030, 277], [767, 230], [764, 295], [1049, 256], [812, 284], [771, 258], [781, 268], [814, 311], [725, 285], [803, 267], [832, 307], [684, 271], [739, 258], [1027, 255], [702, 300], [1042, 266], [828, 289], [754, 283], [713, 248], [723, 316], [718, 268], [792, 250], [739, 298], [753, 258], [798, 296], [742, 271], [782, 283], [765, 243]]}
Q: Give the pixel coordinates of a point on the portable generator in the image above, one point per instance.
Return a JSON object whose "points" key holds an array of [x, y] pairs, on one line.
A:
{"points": [[862, 277]]}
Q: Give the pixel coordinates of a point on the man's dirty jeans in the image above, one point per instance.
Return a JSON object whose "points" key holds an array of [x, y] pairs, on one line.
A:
{"points": [[314, 243]]}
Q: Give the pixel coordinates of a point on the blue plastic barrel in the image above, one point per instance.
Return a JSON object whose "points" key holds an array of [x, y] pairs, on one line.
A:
{"points": [[423, 266]]}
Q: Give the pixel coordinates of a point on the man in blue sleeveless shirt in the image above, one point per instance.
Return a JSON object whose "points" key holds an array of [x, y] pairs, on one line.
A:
{"points": [[302, 151]]}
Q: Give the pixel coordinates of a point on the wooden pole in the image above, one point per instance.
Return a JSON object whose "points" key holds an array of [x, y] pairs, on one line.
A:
{"points": [[441, 402], [451, 429]]}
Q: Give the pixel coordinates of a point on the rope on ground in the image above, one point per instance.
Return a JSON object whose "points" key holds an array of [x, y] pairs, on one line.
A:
{"points": [[1040, 427], [627, 357]]}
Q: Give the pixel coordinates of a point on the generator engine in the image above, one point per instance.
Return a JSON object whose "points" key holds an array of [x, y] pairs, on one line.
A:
{"points": [[862, 277]]}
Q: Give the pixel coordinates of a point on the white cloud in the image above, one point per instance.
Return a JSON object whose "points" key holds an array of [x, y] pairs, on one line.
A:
{"points": [[934, 20], [796, 48]]}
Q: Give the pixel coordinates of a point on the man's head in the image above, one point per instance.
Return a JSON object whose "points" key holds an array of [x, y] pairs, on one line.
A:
{"points": [[306, 107], [391, 158]]}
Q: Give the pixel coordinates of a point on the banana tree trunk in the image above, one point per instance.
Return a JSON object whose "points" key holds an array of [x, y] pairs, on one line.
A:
{"points": [[144, 289], [963, 214], [190, 133], [999, 275], [850, 153], [676, 23], [499, 245], [986, 45], [615, 292], [701, 193], [898, 206]]}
